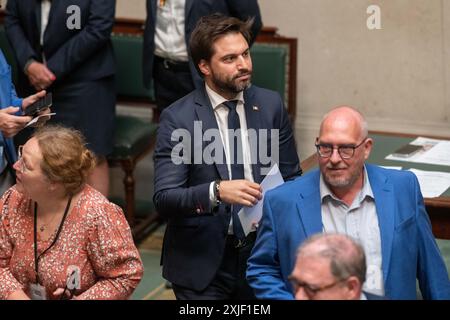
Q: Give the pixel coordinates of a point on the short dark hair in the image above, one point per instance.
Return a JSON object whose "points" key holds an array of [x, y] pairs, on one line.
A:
{"points": [[212, 27]]}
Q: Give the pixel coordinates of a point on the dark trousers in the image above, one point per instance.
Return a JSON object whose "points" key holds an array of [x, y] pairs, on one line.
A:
{"points": [[230, 282], [172, 81]]}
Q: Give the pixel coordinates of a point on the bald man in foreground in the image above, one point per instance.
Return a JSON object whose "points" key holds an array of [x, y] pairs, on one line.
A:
{"points": [[330, 266], [383, 209]]}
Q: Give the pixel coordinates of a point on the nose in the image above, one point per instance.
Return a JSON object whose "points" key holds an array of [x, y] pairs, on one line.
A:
{"points": [[243, 62], [16, 165], [301, 295], [335, 156]]}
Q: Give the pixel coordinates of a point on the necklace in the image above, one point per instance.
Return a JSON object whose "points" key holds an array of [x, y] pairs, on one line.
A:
{"points": [[44, 226]]}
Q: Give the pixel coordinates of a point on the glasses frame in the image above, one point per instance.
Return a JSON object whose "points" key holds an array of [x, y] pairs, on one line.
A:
{"points": [[22, 167], [339, 149], [310, 290]]}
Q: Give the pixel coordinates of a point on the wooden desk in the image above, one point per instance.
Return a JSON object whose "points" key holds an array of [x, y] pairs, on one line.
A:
{"points": [[385, 143]]}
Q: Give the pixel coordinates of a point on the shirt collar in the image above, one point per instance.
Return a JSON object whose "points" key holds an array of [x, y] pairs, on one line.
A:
{"points": [[366, 190], [217, 100]]}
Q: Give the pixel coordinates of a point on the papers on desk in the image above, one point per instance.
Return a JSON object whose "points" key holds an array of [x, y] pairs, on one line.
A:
{"points": [[435, 152], [432, 183], [251, 215]]}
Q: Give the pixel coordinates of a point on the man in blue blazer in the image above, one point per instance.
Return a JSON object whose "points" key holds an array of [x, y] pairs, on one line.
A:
{"points": [[197, 183], [382, 208], [168, 28]]}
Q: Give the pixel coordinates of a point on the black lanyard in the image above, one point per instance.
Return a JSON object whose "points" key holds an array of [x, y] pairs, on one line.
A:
{"points": [[36, 257]]}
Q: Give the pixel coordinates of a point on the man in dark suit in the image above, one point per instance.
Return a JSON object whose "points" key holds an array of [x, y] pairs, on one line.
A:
{"points": [[208, 164], [330, 266], [64, 47], [168, 28]]}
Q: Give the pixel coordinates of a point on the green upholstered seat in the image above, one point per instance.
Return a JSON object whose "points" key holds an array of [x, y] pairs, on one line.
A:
{"points": [[128, 52], [132, 136], [269, 67]]}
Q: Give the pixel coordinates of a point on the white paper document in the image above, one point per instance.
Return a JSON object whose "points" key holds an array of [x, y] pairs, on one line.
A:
{"points": [[432, 183], [41, 117], [251, 215], [435, 152]]}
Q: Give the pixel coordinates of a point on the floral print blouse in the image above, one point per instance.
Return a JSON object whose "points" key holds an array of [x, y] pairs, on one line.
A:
{"points": [[95, 238]]}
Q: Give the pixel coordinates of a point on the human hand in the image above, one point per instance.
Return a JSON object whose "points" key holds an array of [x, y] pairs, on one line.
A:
{"points": [[10, 124], [32, 99], [241, 192], [39, 75]]}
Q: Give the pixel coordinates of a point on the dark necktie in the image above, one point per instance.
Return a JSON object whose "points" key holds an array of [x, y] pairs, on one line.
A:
{"points": [[236, 158]]}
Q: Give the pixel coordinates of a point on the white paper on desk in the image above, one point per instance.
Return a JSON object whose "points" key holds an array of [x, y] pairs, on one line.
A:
{"points": [[252, 215], [435, 152], [432, 183], [35, 119]]}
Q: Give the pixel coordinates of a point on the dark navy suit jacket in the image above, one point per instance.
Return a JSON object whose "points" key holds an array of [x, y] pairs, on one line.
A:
{"points": [[195, 235], [194, 10], [75, 55], [292, 212]]}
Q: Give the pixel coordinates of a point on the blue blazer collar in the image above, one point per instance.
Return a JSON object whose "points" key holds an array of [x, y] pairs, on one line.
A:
{"points": [[205, 114], [309, 205], [386, 211]]}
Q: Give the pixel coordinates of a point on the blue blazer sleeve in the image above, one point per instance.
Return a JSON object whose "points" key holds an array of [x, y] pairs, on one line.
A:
{"points": [[263, 272], [431, 270]]}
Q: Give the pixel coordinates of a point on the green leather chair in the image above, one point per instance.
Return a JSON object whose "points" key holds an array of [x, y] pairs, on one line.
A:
{"points": [[134, 137]]}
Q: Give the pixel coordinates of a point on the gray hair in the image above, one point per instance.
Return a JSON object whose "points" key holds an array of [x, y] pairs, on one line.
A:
{"points": [[346, 256]]}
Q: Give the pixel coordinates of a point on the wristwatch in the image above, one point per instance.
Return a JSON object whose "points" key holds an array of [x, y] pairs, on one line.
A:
{"points": [[216, 188]]}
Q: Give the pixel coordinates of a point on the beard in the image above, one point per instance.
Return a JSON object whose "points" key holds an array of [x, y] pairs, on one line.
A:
{"points": [[231, 84], [342, 181]]}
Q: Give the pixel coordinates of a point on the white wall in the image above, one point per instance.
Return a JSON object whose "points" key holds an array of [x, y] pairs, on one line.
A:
{"points": [[397, 76]]}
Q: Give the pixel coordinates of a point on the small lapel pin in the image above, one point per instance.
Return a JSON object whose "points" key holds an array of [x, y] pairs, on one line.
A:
{"points": [[255, 108]]}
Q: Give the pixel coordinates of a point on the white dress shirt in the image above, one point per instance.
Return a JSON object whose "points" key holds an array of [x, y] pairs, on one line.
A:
{"points": [[170, 40], [221, 114], [45, 12], [359, 221]]}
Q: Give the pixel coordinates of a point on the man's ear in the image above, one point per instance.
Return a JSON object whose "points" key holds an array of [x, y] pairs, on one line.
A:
{"points": [[354, 288], [368, 148], [204, 67]]}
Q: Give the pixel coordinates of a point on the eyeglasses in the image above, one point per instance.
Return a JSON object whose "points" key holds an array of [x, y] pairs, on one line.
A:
{"points": [[346, 151], [22, 165], [310, 290]]}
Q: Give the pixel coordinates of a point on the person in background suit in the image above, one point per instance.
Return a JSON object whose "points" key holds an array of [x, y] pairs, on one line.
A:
{"points": [[330, 266], [64, 47], [11, 122], [381, 208], [168, 28], [205, 250]]}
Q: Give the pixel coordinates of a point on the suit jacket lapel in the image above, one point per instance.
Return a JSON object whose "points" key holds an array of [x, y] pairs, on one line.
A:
{"points": [[205, 114], [152, 5], [309, 208], [36, 9], [252, 115], [385, 206], [54, 8]]}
